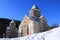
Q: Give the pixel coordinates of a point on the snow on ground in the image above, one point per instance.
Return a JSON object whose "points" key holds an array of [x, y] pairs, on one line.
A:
{"points": [[53, 34]]}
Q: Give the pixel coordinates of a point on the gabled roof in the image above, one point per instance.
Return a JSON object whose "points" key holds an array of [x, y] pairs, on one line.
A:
{"points": [[25, 19]]}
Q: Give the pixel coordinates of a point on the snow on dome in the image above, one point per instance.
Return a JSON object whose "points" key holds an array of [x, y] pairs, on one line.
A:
{"points": [[34, 7]]}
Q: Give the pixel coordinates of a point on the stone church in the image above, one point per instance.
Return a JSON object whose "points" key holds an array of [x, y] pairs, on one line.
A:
{"points": [[34, 23]]}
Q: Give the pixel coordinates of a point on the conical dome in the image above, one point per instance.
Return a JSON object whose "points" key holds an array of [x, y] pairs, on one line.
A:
{"points": [[12, 21], [34, 7]]}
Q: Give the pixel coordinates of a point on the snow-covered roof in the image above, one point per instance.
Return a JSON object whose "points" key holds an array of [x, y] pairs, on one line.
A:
{"points": [[8, 28], [41, 16], [34, 7]]}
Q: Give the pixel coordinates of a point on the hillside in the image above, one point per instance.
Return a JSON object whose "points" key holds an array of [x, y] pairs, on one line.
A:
{"points": [[53, 34]]}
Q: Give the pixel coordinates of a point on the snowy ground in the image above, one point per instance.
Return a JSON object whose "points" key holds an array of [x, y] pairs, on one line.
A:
{"points": [[53, 34]]}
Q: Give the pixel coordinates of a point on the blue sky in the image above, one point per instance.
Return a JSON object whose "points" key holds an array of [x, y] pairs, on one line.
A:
{"points": [[16, 9]]}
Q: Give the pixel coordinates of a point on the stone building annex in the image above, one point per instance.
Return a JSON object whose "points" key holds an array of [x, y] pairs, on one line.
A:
{"points": [[34, 23]]}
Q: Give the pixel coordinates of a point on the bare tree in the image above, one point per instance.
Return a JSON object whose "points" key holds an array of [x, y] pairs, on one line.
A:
{"points": [[55, 25]]}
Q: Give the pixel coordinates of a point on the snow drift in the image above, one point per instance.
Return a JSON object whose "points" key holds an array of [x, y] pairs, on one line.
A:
{"points": [[53, 34]]}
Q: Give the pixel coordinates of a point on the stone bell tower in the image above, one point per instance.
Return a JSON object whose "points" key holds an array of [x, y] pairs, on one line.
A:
{"points": [[12, 24], [35, 12], [11, 30]]}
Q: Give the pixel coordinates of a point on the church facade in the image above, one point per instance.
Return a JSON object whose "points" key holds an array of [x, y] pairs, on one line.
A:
{"points": [[34, 23]]}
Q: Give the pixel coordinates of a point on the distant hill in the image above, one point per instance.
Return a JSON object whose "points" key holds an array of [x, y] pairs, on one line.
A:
{"points": [[4, 22]]}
